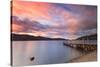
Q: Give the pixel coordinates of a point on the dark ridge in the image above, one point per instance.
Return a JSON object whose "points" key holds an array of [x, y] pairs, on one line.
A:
{"points": [[89, 37], [20, 37]]}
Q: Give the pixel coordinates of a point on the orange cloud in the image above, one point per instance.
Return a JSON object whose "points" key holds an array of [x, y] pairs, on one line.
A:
{"points": [[31, 10], [16, 28], [72, 25]]}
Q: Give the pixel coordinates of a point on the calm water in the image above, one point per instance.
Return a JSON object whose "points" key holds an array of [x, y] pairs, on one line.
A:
{"points": [[45, 52]]}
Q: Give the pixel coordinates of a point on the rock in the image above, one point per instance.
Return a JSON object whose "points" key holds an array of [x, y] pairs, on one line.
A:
{"points": [[32, 58]]}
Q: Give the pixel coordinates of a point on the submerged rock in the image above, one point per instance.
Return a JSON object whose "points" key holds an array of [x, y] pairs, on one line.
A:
{"points": [[32, 58]]}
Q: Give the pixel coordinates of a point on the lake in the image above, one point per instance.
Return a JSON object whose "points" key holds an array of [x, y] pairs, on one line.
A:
{"points": [[44, 52]]}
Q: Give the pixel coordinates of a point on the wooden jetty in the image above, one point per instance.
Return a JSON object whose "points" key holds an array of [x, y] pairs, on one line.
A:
{"points": [[86, 45]]}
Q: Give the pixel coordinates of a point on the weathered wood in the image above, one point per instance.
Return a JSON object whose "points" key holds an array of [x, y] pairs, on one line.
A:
{"points": [[88, 45], [90, 42]]}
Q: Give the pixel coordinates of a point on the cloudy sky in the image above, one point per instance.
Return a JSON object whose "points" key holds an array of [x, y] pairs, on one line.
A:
{"points": [[53, 20]]}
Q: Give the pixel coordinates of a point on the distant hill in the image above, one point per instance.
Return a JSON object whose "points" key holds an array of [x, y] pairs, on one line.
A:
{"points": [[20, 37], [89, 37]]}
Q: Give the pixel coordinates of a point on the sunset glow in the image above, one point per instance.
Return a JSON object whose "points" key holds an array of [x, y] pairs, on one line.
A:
{"points": [[53, 20]]}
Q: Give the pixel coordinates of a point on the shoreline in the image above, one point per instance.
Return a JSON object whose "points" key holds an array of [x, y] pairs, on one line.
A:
{"points": [[92, 56]]}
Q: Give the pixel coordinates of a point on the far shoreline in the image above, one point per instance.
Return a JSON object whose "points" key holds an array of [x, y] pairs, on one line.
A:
{"points": [[39, 40]]}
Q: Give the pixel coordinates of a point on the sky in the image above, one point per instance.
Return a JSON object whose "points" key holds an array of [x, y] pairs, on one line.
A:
{"points": [[54, 20]]}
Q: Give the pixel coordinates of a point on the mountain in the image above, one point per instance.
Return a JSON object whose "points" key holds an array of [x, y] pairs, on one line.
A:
{"points": [[89, 37], [20, 37]]}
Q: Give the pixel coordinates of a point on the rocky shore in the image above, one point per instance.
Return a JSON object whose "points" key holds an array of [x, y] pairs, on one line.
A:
{"points": [[92, 56]]}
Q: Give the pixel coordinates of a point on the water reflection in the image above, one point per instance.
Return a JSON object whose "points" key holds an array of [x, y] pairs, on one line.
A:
{"points": [[44, 52]]}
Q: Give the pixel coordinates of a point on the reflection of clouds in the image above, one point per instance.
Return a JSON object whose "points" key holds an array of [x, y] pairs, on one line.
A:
{"points": [[53, 20]]}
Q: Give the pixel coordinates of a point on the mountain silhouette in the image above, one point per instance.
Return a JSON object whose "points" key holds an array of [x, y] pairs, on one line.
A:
{"points": [[89, 37], [23, 37]]}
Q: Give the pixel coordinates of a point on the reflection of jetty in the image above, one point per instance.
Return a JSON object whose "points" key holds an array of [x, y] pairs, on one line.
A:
{"points": [[87, 45]]}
